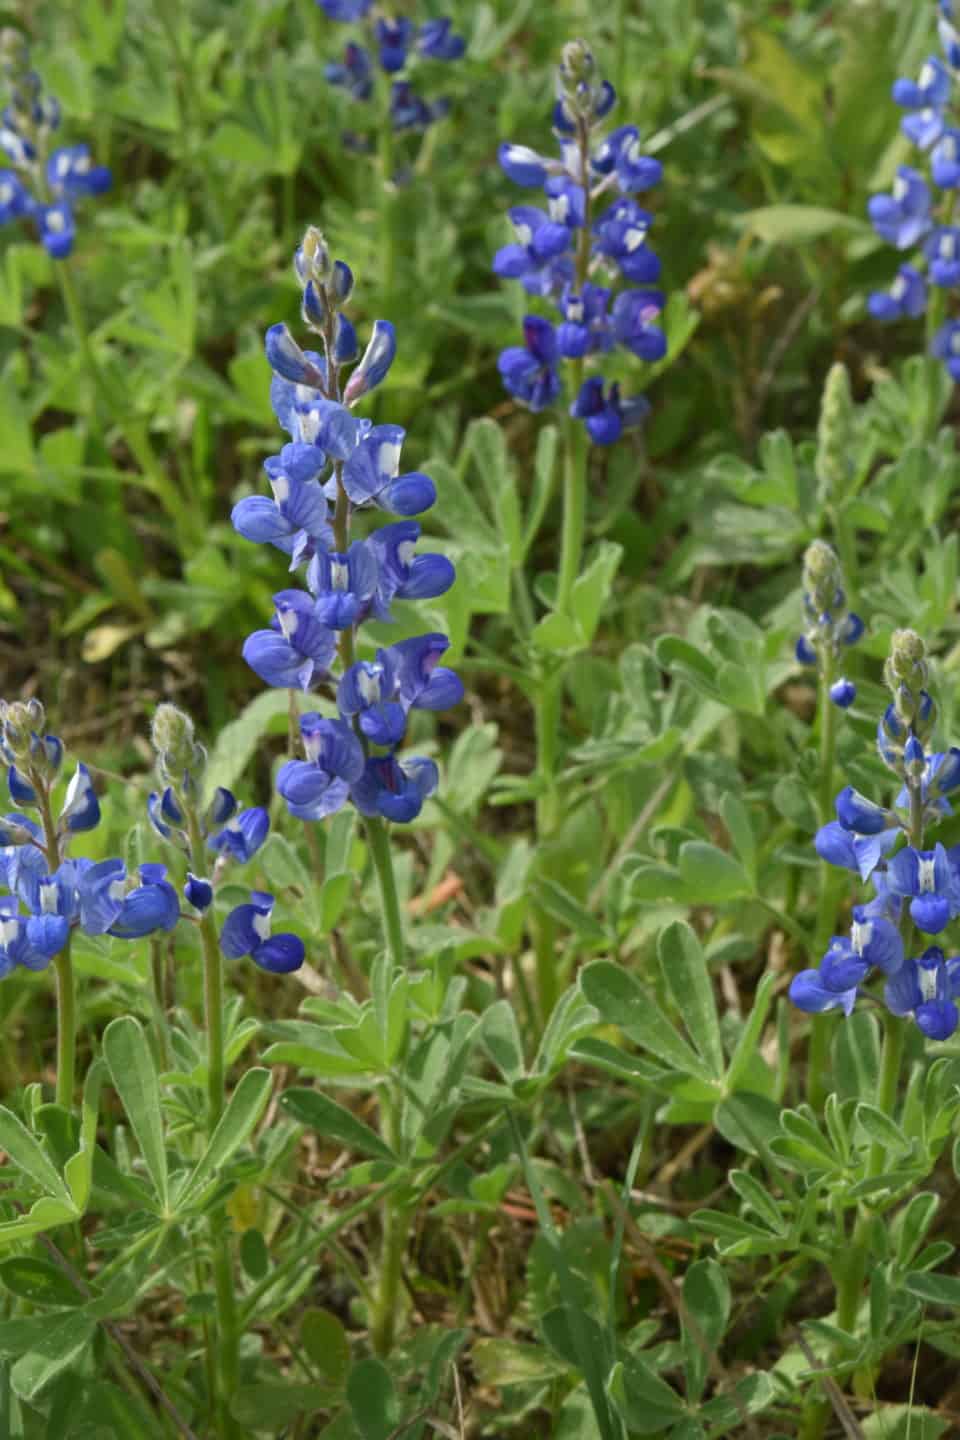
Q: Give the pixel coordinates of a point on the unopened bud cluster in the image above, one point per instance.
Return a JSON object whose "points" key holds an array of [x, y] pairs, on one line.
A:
{"points": [[834, 435], [831, 626]]}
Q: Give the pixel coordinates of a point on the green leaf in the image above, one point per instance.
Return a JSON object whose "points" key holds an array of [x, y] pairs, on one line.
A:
{"points": [[372, 1399], [254, 1255], [800, 224], [66, 1338], [591, 590], [622, 1000], [78, 1171], [26, 1154], [564, 907], [881, 1129], [736, 817], [706, 1298], [326, 1343], [913, 1224], [134, 1077], [749, 1041], [758, 1198], [647, 1404], [558, 634], [235, 1126], [334, 1122], [39, 1281], [684, 969], [500, 1037], [273, 1405], [936, 1289]]}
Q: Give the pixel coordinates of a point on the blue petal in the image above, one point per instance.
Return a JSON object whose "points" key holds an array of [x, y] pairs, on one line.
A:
{"points": [[280, 954]]}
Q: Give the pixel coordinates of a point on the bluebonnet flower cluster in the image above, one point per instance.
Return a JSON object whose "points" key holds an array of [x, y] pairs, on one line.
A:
{"points": [[831, 627], [564, 252], [44, 183], [915, 218], [334, 466], [219, 832], [51, 894], [915, 888], [393, 44]]}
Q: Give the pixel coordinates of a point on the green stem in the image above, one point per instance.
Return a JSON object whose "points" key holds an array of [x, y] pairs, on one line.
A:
{"points": [[576, 452], [850, 1281], [66, 1027], [228, 1339], [393, 1242], [63, 963], [547, 707], [817, 1068], [378, 838]]}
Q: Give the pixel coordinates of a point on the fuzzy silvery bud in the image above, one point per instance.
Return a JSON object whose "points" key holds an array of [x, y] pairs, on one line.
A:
{"points": [[822, 577], [834, 435], [179, 758], [312, 260], [19, 723]]}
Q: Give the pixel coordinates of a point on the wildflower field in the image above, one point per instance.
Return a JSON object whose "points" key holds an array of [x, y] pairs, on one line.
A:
{"points": [[480, 642]]}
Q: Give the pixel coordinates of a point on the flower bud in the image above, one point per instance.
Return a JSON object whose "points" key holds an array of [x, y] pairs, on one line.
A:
{"points": [[179, 758], [834, 435], [908, 656], [312, 260]]}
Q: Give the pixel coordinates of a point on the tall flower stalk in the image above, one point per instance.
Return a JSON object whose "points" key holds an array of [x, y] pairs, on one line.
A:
{"points": [[336, 470], [562, 255]]}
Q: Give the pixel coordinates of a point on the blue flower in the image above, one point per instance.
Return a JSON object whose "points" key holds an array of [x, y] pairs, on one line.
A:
{"points": [[436, 41], [903, 217], [843, 693], [408, 111], [72, 174], [371, 476], [942, 249], [287, 359], [393, 39], [369, 690], [422, 682], [945, 159], [634, 313], [320, 785], [343, 585], [926, 878], [242, 835], [14, 197], [946, 347], [296, 520], [395, 790], [198, 892], [859, 814], [296, 652], [906, 296], [621, 151], [354, 73], [566, 202], [808, 992], [401, 575], [524, 166], [530, 373], [29, 943], [605, 415], [153, 905], [586, 328], [926, 97], [246, 931], [57, 230], [928, 989], [540, 242], [345, 10], [81, 808], [377, 359], [862, 853], [621, 235]]}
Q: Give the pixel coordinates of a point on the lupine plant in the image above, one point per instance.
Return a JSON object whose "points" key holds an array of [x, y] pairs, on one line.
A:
{"points": [[915, 218], [561, 255], [383, 69]]}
